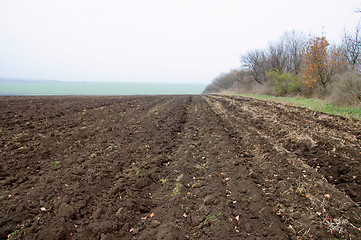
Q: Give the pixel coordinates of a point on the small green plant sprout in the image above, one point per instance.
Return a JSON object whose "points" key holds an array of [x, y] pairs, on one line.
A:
{"points": [[1, 130], [93, 155], [56, 163], [162, 181], [178, 185], [138, 171], [22, 148], [179, 177], [261, 210], [84, 110], [212, 220], [176, 189], [12, 234], [110, 147], [195, 109], [79, 119]]}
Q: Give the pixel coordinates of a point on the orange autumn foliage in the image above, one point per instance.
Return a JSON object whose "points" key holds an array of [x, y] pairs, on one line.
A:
{"points": [[321, 63]]}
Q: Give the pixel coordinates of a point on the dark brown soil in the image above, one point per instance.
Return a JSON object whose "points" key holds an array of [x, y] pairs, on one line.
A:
{"points": [[176, 167]]}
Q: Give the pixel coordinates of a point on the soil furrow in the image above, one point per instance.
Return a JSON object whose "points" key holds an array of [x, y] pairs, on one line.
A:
{"points": [[175, 167], [201, 197], [293, 184], [337, 158]]}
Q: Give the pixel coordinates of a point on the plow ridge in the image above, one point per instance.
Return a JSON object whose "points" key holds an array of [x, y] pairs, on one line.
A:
{"points": [[176, 167]]}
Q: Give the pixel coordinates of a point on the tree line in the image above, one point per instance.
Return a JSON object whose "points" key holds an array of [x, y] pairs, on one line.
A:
{"points": [[297, 64]]}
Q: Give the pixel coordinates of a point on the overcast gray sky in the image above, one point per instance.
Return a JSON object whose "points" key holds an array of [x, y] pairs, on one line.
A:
{"points": [[152, 40]]}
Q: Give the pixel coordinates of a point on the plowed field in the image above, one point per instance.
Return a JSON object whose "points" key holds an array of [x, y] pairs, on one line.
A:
{"points": [[176, 167]]}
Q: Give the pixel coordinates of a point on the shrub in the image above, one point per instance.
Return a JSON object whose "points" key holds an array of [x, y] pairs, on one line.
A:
{"points": [[285, 83], [346, 89], [225, 81]]}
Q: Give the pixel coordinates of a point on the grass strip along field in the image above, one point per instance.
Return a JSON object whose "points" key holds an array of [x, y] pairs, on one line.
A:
{"points": [[316, 105], [176, 167]]}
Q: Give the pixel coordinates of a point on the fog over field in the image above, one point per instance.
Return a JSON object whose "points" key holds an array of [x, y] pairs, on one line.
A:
{"points": [[152, 41]]}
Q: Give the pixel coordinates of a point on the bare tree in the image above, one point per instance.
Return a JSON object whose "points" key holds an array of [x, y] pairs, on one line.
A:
{"points": [[277, 57], [295, 44], [283, 55], [255, 62], [352, 47]]}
